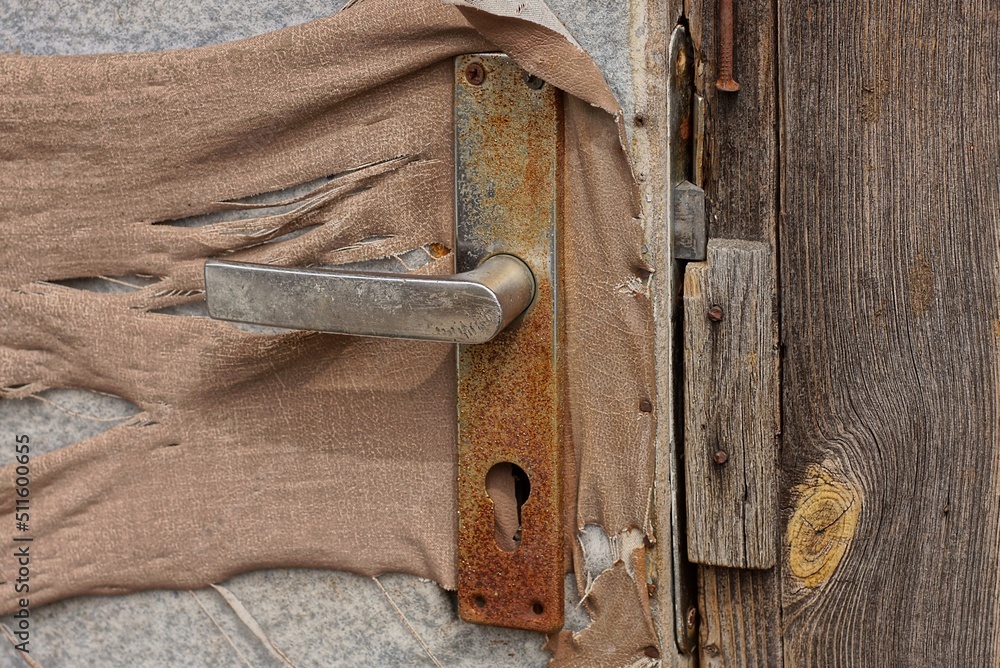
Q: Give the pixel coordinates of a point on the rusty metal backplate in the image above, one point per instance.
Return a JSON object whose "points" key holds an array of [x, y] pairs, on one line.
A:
{"points": [[508, 148]]}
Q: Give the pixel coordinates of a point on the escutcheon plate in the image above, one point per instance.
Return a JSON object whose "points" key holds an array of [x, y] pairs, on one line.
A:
{"points": [[508, 155]]}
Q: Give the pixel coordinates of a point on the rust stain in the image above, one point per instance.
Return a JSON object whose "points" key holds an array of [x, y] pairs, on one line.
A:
{"points": [[822, 526], [507, 134], [685, 129], [437, 251]]}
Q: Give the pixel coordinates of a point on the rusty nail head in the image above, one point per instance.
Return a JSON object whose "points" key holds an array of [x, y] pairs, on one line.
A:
{"points": [[646, 406], [725, 82], [652, 652], [715, 313], [475, 73], [720, 457]]}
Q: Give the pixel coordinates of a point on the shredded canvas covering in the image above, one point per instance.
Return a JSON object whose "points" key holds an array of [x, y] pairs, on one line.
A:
{"points": [[297, 449]]}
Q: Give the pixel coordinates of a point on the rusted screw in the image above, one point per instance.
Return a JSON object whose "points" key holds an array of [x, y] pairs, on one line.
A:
{"points": [[720, 457], [715, 313], [646, 406], [475, 73], [725, 82]]}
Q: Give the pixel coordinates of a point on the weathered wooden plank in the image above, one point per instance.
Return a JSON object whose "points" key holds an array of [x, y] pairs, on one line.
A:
{"points": [[730, 407], [741, 184], [890, 272], [748, 634], [741, 152]]}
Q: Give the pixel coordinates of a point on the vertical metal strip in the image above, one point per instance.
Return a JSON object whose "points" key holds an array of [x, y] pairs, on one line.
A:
{"points": [[507, 139], [684, 163]]}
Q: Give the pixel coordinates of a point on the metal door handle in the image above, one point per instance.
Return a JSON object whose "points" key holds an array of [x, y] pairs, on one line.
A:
{"points": [[508, 138], [470, 307]]}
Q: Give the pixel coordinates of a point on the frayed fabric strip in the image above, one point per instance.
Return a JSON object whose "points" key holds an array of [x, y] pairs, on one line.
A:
{"points": [[255, 450]]}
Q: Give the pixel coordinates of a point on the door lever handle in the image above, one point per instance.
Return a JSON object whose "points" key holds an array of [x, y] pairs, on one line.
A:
{"points": [[508, 159], [470, 307]]}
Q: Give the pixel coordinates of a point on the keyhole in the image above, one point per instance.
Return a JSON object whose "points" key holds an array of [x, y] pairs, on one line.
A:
{"points": [[508, 487]]}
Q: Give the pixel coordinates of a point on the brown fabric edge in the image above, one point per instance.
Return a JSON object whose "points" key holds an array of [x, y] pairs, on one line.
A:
{"points": [[549, 55]]}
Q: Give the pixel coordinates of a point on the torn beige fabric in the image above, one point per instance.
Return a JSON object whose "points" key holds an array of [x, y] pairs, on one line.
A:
{"points": [[298, 449], [622, 632]]}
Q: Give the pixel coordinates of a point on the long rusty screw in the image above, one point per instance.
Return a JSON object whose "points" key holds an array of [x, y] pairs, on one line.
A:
{"points": [[726, 82]]}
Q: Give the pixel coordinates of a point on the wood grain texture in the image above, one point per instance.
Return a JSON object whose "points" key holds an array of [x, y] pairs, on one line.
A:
{"points": [[730, 407], [741, 161], [747, 634], [889, 272], [741, 185]]}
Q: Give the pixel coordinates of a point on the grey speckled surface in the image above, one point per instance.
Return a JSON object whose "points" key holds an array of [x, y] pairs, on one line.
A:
{"points": [[602, 28], [316, 618], [49, 27]]}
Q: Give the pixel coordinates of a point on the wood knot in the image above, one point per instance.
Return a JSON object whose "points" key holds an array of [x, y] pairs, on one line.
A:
{"points": [[822, 525]]}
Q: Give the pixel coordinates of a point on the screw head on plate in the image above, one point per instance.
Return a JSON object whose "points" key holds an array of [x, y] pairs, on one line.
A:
{"points": [[475, 73]]}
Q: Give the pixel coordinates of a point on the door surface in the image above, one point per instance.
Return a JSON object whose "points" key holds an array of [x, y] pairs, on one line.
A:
{"points": [[862, 150], [863, 147]]}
